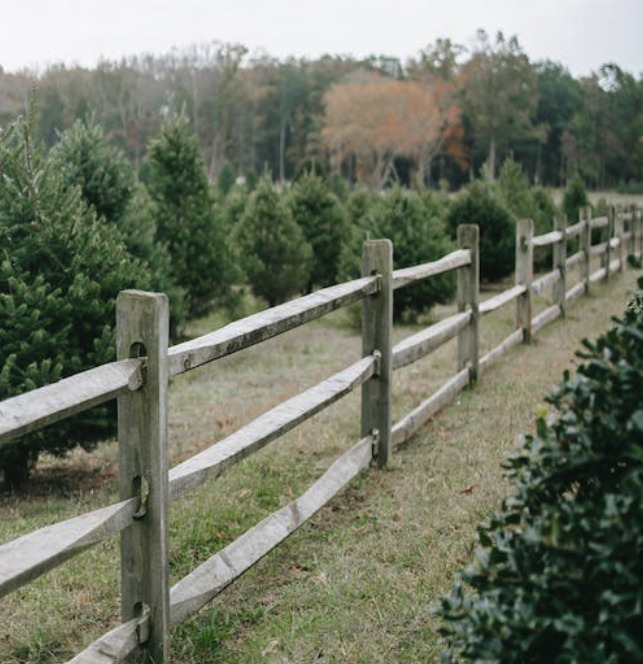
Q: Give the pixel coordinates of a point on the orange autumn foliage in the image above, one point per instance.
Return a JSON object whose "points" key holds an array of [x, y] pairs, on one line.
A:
{"points": [[377, 119]]}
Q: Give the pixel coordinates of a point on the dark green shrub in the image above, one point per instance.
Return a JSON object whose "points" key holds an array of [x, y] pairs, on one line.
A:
{"points": [[560, 577], [272, 248], [478, 205], [60, 272], [321, 217], [574, 199]]}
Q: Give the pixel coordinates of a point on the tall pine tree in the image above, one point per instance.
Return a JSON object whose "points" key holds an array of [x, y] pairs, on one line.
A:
{"points": [[187, 220]]}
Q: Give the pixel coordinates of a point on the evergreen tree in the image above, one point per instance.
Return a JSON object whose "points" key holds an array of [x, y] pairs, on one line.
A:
{"points": [[322, 219], [225, 179], [273, 250], [60, 272], [480, 205], [105, 177], [85, 158], [574, 198], [415, 225], [187, 220]]}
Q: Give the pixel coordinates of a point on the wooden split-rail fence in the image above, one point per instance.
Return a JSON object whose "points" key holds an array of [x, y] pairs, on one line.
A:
{"points": [[139, 380]]}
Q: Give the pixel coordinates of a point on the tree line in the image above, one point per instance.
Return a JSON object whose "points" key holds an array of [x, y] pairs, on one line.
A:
{"points": [[440, 117]]}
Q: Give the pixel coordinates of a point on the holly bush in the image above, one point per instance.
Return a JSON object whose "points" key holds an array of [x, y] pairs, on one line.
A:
{"points": [[559, 575]]}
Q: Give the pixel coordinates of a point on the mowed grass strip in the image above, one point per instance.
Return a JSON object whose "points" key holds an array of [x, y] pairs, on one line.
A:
{"points": [[355, 584]]}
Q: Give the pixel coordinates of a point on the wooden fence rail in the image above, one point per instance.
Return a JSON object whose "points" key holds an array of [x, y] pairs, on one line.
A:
{"points": [[139, 380]]}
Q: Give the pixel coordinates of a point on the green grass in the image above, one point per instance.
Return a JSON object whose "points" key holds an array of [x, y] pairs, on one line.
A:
{"points": [[357, 582]]}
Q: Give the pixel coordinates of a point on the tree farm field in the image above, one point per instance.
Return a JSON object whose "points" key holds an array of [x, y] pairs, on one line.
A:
{"points": [[356, 584]]}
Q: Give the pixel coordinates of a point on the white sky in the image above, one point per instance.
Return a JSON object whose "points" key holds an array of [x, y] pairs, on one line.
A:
{"points": [[580, 34]]}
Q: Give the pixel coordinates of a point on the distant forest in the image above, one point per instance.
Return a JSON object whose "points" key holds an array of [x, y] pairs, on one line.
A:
{"points": [[438, 119]]}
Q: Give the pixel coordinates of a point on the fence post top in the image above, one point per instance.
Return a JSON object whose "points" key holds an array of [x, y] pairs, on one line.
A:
{"points": [[132, 293], [526, 224], [378, 242]]}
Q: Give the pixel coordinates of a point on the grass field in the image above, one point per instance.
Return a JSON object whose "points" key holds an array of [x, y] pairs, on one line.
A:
{"points": [[354, 585]]}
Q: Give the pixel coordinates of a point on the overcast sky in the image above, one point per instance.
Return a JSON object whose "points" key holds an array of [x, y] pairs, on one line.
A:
{"points": [[580, 34]]}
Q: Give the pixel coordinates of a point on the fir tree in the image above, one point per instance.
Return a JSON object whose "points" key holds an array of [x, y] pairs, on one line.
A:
{"points": [[273, 250], [86, 159], [321, 217], [187, 220], [60, 272]]}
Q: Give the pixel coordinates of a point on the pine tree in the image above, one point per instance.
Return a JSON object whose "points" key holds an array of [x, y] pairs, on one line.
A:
{"points": [[86, 159], [187, 220], [415, 226], [321, 217], [273, 250], [105, 177], [60, 272]]}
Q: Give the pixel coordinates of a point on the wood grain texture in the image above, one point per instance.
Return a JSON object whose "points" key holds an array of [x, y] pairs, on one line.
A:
{"points": [[266, 428], [598, 275], [559, 259], [267, 324], [598, 249], [501, 299], [33, 410], [117, 644], [543, 283], [31, 555], [524, 275], [468, 300], [417, 418], [409, 275], [575, 291], [415, 347], [547, 238], [514, 339], [206, 581], [599, 222], [142, 326], [545, 317], [576, 229], [585, 242], [575, 259], [377, 339]]}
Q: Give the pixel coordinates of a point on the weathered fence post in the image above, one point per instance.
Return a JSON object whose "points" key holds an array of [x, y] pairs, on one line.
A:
{"points": [[377, 327], [637, 229], [524, 275], [619, 233], [142, 331], [607, 257], [560, 264], [585, 247], [636, 226], [468, 296]]}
